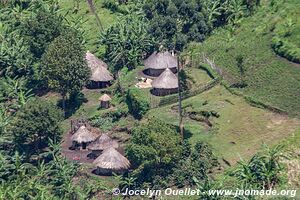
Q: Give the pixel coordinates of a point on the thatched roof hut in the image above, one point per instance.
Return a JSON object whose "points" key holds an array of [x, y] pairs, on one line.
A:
{"points": [[105, 97], [105, 101], [93, 61], [111, 161], [166, 83], [158, 62], [83, 136], [100, 76], [103, 142]]}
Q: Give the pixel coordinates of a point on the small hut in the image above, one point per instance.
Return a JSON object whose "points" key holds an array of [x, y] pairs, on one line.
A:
{"points": [[82, 137], [100, 76], [165, 84], [105, 101], [158, 62], [102, 143], [111, 161]]}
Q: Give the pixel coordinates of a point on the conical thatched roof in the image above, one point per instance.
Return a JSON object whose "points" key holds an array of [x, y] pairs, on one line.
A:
{"points": [[105, 97], [112, 159], [83, 135], [103, 142], [93, 61], [101, 74], [160, 60], [98, 68], [167, 80]]}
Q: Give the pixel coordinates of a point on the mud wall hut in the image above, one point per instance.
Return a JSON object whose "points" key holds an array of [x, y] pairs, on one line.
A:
{"points": [[100, 76], [165, 84]]}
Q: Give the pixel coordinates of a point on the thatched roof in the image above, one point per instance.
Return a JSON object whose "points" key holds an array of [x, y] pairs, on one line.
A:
{"points": [[105, 97], [101, 74], [103, 142], [83, 135], [93, 61], [112, 159], [167, 80], [98, 68], [160, 60]]}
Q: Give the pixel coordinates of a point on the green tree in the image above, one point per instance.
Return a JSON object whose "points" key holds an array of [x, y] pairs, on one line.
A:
{"points": [[64, 66], [40, 30], [174, 20], [127, 42], [36, 123], [153, 151]]}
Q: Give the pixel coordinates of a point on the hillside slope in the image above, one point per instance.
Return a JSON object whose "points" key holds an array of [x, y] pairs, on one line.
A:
{"points": [[269, 77]]}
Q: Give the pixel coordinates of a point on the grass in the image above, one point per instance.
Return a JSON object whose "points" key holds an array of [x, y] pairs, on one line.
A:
{"points": [[239, 131], [92, 31], [270, 78]]}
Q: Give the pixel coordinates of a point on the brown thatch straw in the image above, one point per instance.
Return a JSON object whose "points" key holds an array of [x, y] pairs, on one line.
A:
{"points": [[103, 142], [112, 159], [98, 68], [105, 97], [160, 60], [83, 135], [167, 80], [93, 61]]}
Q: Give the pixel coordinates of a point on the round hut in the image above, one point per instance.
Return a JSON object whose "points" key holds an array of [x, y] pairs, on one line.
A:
{"points": [[82, 137], [100, 76], [111, 161], [102, 143], [157, 62], [165, 84], [104, 101]]}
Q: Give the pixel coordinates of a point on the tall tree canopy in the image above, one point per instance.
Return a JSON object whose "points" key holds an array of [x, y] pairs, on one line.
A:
{"points": [[40, 29], [154, 150], [175, 22], [36, 123], [127, 42], [64, 66]]}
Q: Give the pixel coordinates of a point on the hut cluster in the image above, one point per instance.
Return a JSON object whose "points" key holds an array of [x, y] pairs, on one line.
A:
{"points": [[103, 149], [162, 66]]}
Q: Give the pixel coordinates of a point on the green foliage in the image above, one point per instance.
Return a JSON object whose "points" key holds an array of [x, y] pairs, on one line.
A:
{"points": [[13, 92], [111, 5], [195, 162], [286, 49], [174, 23], [64, 66], [44, 181], [127, 42], [270, 79], [263, 170], [104, 123], [40, 30], [138, 103], [154, 150], [15, 57], [33, 126]]}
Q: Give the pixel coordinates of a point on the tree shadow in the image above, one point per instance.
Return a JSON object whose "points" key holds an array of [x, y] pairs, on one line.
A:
{"points": [[73, 103]]}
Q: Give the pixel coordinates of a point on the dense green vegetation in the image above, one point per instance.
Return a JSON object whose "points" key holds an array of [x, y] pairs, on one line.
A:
{"points": [[269, 78], [64, 67], [42, 59]]}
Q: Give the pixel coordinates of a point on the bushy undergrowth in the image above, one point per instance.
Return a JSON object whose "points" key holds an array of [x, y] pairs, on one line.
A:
{"points": [[138, 103]]}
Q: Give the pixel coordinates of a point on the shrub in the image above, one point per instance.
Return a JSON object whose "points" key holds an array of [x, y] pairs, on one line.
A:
{"points": [[286, 49], [137, 103], [111, 5]]}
